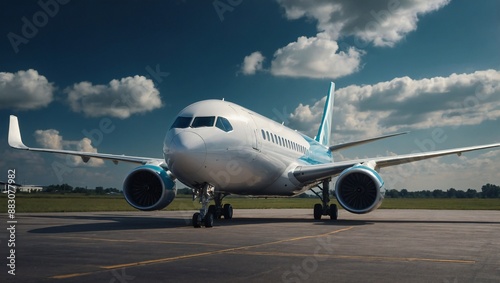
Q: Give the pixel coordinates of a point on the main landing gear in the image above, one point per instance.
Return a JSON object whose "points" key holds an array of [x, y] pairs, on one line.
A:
{"points": [[208, 213], [324, 208]]}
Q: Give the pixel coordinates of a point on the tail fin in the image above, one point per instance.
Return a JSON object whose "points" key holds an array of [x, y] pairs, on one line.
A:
{"points": [[325, 129]]}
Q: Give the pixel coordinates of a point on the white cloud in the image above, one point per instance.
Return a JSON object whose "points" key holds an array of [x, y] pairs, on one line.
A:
{"points": [[315, 57], [383, 23], [380, 23], [308, 117], [25, 90], [252, 63], [404, 103], [120, 98], [51, 139]]}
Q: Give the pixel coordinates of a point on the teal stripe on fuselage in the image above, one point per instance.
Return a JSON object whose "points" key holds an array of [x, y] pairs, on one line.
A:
{"points": [[317, 153]]}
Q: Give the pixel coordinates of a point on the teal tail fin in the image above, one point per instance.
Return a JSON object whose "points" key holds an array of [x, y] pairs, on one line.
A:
{"points": [[325, 129]]}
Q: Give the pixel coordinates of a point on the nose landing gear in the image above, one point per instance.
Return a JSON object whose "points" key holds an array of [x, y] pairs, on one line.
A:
{"points": [[208, 213]]}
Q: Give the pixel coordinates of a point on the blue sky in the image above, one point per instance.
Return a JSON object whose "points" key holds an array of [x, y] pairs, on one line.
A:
{"points": [[112, 75]]}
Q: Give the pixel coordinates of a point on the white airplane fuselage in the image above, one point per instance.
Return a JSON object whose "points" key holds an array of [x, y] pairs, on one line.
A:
{"points": [[254, 157]]}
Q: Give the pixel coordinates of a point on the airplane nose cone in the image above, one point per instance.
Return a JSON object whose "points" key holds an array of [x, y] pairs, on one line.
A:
{"points": [[187, 153]]}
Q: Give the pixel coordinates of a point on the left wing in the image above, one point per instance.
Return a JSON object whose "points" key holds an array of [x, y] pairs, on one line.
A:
{"points": [[313, 173], [338, 147], [16, 142]]}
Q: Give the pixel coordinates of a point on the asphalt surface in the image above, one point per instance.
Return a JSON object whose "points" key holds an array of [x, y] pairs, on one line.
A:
{"points": [[272, 245]]}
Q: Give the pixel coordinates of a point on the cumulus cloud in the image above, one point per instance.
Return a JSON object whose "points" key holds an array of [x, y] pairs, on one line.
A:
{"points": [[381, 23], [120, 98], [53, 140], [25, 90], [308, 117], [49, 139], [315, 57], [252, 63], [405, 103]]}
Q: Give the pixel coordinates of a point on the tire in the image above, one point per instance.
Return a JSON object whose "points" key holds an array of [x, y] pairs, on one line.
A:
{"points": [[196, 220], [318, 211], [209, 220], [334, 212], [211, 209], [228, 211]]}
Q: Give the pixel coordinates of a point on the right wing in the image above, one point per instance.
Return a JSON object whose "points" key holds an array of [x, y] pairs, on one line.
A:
{"points": [[15, 141], [314, 173]]}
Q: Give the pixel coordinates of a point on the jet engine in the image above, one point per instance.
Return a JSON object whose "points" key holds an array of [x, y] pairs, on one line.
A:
{"points": [[149, 188], [359, 189]]}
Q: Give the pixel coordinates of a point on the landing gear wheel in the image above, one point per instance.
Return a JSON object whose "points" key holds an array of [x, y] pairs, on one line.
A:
{"points": [[196, 220], [228, 211], [209, 220], [215, 211], [318, 211], [334, 212]]}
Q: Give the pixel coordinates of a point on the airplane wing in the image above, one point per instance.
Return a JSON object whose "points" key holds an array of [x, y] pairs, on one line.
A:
{"points": [[15, 141], [338, 147], [313, 173]]}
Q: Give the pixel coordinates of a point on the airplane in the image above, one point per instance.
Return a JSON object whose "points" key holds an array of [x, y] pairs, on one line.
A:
{"points": [[218, 148]]}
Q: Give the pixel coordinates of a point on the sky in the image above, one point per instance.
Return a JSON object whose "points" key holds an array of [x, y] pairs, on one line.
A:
{"points": [[110, 76]]}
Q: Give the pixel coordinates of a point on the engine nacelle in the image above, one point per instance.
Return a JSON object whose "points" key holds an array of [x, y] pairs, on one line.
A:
{"points": [[149, 188], [359, 189]]}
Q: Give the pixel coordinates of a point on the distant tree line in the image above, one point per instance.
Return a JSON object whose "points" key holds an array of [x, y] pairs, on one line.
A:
{"points": [[65, 188], [487, 191]]}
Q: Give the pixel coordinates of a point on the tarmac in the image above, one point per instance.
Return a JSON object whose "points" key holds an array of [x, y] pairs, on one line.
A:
{"points": [[271, 245]]}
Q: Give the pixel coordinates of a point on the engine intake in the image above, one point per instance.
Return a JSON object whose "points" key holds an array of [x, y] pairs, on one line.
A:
{"points": [[149, 188], [359, 189]]}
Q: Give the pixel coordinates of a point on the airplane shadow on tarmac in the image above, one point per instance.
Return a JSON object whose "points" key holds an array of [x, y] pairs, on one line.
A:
{"points": [[119, 222]]}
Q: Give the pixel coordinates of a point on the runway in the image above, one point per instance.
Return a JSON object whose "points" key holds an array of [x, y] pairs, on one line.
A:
{"points": [[274, 245]]}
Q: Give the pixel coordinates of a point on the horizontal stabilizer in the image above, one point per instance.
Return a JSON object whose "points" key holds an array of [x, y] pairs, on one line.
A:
{"points": [[355, 143]]}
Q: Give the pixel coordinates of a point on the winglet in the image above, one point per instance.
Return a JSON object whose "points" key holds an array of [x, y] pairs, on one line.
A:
{"points": [[15, 140], [325, 129]]}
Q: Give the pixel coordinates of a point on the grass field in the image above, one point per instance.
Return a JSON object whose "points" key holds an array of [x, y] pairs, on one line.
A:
{"points": [[82, 203]]}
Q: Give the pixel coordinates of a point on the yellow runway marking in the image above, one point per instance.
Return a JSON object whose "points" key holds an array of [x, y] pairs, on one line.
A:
{"points": [[70, 275], [170, 259], [359, 257], [219, 251]]}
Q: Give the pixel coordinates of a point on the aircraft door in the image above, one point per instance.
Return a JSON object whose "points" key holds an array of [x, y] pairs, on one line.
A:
{"points": [[257, 141]]}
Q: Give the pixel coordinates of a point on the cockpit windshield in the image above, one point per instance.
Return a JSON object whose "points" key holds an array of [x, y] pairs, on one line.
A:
{"points": [[181, 122], [223, 124], [199, 122], [202, 121]]}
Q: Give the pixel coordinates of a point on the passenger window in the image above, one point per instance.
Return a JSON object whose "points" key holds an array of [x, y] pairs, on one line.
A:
{"points": [[263, 134], [181, 122], [223, 124], [199, 122]]}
